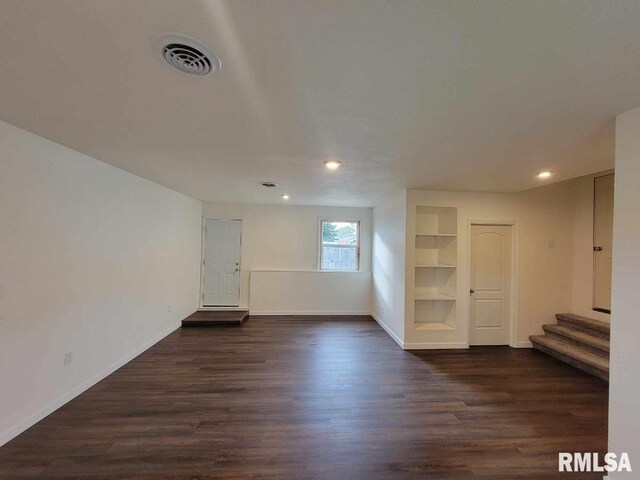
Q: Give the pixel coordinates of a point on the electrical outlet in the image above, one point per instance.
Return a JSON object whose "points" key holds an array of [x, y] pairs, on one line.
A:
{"points": [[68, 358], [169, 308]]}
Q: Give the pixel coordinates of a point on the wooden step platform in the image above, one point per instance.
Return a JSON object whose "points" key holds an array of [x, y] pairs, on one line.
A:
{"points": [[578, 341], [211, 318]]}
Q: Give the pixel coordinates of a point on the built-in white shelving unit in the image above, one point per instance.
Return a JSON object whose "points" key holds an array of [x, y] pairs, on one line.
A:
{"points": [[435, 260]]}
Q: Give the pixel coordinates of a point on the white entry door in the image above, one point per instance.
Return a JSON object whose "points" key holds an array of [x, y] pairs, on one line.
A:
{"points": [[221, 263], [602, 242], [490, 305]]}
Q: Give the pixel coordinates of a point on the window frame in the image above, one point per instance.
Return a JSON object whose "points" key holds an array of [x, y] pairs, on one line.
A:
{"points": [[321, 222]]}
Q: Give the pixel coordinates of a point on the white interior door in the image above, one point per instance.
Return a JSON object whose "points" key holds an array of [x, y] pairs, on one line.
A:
{"points": [[490, 304], [602, 242], [221, 282]]}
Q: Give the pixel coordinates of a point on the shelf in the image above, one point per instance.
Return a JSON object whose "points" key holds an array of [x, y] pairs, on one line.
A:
{"points": [[421, 234], [432, 296], [432, 326], [434, 265]]}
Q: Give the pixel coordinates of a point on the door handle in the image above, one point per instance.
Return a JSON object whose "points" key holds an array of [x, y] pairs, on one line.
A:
{"points": [[597, 249], [237, 269], [472, 291]]}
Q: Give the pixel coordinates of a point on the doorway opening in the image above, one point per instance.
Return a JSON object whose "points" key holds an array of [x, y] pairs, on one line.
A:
{"points": [[491, 283], [221, 263], [602, 242]]}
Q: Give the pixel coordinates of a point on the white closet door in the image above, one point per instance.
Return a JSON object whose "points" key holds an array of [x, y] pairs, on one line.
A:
{"points": [[490, 304]]}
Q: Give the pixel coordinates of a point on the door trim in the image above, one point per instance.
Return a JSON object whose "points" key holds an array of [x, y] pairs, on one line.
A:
{"points": [[202, 253], [513, 313]]}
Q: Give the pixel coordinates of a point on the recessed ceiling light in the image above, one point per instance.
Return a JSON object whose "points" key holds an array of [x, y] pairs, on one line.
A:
{"points": [[332, 164], [285, 197], [544, 174]]}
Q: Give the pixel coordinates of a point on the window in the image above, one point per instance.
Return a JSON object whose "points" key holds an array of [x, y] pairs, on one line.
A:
{"points": [[340, 245]]}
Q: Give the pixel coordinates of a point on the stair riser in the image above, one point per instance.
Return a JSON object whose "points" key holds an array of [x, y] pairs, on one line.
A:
{"points": [[584, 322], [597, 351], [590, 331], [204, 323], [572, 361]]}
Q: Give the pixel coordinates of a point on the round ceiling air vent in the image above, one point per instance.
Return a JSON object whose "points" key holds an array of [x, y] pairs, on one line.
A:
{"points": [[186, 54]]}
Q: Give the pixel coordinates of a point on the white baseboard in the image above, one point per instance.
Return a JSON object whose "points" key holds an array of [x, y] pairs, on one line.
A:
{"points": [[218, 309], [306, 312], [435, 346], [48, 409], [524, 345], [386, 328]]}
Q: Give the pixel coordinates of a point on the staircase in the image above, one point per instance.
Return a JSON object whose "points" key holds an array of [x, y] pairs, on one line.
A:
{"points": [[578, 341]]}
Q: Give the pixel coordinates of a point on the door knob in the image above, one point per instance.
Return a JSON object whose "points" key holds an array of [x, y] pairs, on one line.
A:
{"points": [[472, 291], [597, 249], [237, 269]]}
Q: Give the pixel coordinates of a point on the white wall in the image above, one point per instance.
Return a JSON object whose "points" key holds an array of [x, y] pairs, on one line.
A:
{"points": [[91, 259], [624, 394], [389, 218], [582, 301], [310, 293], [544, 246], [545, 255], [285, 237]]}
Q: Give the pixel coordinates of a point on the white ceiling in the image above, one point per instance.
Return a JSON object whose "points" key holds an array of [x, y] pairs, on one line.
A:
{"points": [[437, 94]]}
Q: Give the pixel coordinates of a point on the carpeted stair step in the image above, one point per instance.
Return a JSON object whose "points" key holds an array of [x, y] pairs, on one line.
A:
{"points": [[572, 354], [597, 345], [584, 324]]}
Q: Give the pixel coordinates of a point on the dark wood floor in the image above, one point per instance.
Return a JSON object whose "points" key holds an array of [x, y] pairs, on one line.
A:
{"points": [[298, 398]]}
